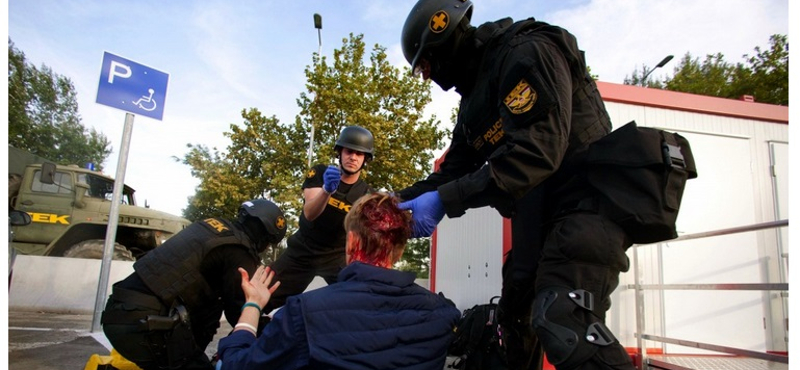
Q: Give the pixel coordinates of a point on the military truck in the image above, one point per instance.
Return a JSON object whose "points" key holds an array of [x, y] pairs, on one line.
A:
{"points": [[69, 208]]}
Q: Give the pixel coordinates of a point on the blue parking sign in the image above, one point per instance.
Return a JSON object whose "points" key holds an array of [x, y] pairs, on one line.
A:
{"points": [[132, 87]]}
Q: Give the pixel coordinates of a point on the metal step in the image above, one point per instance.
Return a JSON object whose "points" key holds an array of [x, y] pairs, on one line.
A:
{"points": [[666, 362]]}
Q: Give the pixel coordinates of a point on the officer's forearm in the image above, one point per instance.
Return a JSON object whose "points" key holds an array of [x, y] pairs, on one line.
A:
{"points": [[316, 200]]}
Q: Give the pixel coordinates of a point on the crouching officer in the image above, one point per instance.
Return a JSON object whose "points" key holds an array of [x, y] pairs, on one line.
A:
{"points": [[164, 314]]}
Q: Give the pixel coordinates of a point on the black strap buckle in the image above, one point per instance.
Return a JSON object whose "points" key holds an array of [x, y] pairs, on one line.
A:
{"points": [[673, 156], [582, 298], [598, 334]]}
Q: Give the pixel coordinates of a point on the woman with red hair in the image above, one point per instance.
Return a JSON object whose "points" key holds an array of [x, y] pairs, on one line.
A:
{"points": [[374, 317]]}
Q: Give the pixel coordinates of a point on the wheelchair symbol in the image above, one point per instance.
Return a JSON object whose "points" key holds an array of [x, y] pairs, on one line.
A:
{"points": [[146, 100]]}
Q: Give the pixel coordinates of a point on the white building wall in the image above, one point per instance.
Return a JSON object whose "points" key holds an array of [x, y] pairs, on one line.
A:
{"points": [[469, 257], [735, 187]]}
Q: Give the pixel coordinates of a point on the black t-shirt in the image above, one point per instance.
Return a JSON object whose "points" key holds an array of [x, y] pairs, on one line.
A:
{"points": [[327, 230]]}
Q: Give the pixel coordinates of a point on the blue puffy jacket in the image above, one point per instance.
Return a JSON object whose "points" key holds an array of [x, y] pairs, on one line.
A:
{"points": [[373, 318]]}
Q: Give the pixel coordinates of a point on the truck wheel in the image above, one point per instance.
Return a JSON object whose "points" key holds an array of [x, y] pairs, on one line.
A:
{"points": [[93, 249]]}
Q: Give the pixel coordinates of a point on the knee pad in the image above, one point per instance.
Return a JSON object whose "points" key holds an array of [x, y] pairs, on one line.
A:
{"points": [[568, 331]]}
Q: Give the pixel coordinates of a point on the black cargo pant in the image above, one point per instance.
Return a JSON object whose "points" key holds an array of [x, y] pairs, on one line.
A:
{"points": [[299, 264], [577, 251], [125, 325]]}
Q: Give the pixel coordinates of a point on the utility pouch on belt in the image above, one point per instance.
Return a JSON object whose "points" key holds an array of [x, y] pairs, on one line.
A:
{"points": [[178, 315], [639, 174], [171, 339]]}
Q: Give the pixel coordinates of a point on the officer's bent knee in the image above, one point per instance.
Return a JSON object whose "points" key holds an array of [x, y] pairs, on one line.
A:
{"points": [[568, 332]]}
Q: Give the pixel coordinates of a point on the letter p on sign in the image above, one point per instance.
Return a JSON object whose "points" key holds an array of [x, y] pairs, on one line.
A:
{"points": [[118, 69]]}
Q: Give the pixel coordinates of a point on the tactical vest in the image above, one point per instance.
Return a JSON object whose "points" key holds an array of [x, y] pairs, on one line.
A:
{"points": [[173, 269], [328, 228], [479, 113], [635, 175]]}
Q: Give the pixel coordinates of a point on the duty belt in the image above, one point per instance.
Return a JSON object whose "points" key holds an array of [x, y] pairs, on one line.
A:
{"points": [[142, 305], [143, 300]]}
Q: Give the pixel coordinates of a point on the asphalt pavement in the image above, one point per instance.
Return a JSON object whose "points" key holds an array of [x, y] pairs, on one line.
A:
{"points": [[45, 341], [53, 341]]}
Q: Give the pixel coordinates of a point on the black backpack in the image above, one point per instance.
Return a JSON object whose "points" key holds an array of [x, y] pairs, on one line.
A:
{"points": [[478, 343]]}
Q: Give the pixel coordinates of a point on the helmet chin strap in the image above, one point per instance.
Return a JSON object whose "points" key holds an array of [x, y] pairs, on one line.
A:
{"points": [[258, 235], [447, 62]]}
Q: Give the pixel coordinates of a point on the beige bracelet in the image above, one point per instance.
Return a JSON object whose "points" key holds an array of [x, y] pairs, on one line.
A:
{"points": [[246, 326]]}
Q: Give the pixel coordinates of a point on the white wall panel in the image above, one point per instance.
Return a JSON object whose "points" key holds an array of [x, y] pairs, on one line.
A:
{"points": [[469, 257], [721, 197]]}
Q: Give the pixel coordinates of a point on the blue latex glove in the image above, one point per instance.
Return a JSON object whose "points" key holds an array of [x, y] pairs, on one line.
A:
{"points": [[331, 179], [426, 212]]}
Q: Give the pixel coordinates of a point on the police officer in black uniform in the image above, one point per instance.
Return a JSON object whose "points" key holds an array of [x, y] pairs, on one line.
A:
{"points": [[318, 246], [528, 110], [165, 314]]}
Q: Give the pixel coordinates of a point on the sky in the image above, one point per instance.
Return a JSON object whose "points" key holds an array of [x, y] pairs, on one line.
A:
{"points": [[223, 57]]}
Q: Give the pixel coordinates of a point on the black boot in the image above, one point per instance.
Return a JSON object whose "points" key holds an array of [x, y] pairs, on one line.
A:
{"points": [[522, 348]]}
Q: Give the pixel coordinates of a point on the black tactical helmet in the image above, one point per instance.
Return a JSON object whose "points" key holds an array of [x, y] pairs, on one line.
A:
{"points": [[356, 138], [270, 216], [430, 23]]}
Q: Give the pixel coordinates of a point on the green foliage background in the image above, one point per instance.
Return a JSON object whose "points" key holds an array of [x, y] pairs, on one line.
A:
{"points": [[268, 158], [43, 115], [764, 75]]}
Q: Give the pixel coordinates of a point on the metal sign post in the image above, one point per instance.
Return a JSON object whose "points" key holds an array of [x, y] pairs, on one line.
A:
{"points": [[136, 89], [318, 26]]}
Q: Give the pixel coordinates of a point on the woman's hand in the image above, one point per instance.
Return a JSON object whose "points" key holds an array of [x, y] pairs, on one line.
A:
{"points": [[259, 289]]}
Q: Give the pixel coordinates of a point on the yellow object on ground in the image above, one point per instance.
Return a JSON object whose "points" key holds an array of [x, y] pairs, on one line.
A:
{"points": [[115, 361]]}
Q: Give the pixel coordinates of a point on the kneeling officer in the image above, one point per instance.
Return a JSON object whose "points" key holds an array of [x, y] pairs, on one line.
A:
{"points": [[164, 314]]}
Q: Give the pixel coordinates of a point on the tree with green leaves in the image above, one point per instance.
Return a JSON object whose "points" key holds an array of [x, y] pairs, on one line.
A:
{"points": [[268, 159], [417, 257], [43, 115], [764, 76], [387, 101], [712, 77], [641, 78]]}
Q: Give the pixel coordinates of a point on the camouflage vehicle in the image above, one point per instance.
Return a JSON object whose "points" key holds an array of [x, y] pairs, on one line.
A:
{"points": [[69, 208]]}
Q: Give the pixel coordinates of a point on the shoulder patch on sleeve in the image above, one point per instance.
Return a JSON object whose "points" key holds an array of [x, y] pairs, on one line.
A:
{"points": [[525, 94], [522, 98]]}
